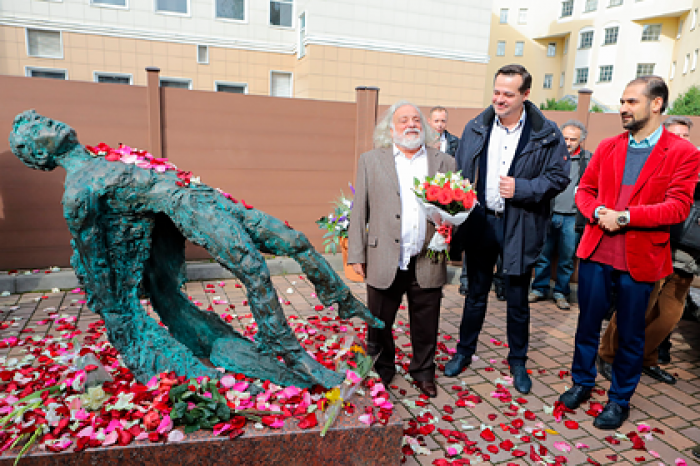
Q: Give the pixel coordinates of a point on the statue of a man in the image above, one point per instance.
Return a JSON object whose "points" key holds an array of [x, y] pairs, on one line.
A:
{"points": [[129, 226]]}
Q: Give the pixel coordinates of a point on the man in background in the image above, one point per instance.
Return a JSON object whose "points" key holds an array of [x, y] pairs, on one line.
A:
{"points": [[445, 141], [561, 235]]}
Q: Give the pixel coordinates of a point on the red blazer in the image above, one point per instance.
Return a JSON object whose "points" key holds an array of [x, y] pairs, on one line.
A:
{"points": [[661, 197]]}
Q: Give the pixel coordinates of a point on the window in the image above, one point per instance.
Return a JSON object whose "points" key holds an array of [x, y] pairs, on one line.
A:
{"points": [[280, 84], [566, 45], [686, 63], [203, 54], [501, 48], [180, 83], [680, 28], [519, 48], [611, 35], [504, 16], [44, 44], [230, 9], [591, 5], [173, 6], [615, 3], [551, 49], [232, 88], [644, 69], [651, 32], [605, 74], [109, 2], [673, 70], [695, 60], [46, 73], [302, 35], [548, 79], [567, 8], [112, 78], [694, 20], [281, 12], [561, 79], [522, 16], [581, 76], [586, 40]]}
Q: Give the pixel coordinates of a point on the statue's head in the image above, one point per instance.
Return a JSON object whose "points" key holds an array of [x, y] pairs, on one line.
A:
{"points": [[39, 141]]}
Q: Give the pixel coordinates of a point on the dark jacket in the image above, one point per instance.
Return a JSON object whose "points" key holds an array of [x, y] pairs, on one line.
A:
{"points": [[452, 143], [541, 171]]}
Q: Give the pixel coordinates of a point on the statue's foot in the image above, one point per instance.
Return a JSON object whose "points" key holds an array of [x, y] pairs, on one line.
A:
{"points": [[301, 362], [352, 307], [242, 356]]}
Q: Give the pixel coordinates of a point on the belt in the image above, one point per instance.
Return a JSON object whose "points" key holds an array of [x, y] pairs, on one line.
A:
{"points": [[494, 213]]}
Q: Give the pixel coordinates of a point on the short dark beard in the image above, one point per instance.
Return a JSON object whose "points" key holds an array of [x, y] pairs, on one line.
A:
{"points": [[635, 125]]}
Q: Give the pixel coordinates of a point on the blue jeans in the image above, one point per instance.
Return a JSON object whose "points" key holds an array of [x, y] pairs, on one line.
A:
{"points": [[595, 292], [561, 236]]}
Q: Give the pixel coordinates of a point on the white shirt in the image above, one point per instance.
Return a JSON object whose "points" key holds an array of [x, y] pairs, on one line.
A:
{"points": [[443, 142], [412, 216], [502, 145]]}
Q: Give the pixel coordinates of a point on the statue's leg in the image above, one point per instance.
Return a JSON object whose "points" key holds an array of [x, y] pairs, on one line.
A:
{"points": [[206, 221], [109, 262], [204, 333], [270, 234]]}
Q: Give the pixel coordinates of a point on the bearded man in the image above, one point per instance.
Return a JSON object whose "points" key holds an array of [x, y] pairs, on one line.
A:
{"points": [[636, 186], [388, 239]]}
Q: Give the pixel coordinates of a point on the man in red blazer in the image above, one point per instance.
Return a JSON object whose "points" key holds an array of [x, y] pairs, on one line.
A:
{"points": [[636, 186]]}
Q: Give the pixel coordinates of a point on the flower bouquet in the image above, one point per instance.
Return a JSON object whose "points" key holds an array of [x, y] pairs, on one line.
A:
{"points": [[447, 200], [356, 364], [336, 223]]}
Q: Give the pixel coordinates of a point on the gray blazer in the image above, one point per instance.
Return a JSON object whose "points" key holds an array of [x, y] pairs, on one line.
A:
{"points": [[374, 233]]}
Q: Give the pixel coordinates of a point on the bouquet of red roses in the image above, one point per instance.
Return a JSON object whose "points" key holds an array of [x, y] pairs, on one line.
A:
{"points": [[447, 200]]}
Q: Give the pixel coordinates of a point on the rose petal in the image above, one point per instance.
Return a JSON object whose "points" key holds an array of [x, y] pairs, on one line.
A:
{"points": [[175, 436]]}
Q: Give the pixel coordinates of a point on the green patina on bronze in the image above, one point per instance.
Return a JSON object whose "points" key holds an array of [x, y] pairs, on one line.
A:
{"points": [[129, 226]]}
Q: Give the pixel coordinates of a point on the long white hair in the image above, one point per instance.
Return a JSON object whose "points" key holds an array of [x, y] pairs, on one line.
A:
{"points": [[382, 132]]}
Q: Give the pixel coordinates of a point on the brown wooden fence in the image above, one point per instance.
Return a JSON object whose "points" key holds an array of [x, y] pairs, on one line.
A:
{"points": [[288, 157]]}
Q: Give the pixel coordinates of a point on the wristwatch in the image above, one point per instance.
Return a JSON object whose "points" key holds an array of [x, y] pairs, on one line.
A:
{"points": [[623, 219]]}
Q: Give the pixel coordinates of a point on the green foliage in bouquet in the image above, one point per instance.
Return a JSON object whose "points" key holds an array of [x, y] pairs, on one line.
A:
{"points": [[336, 223]]}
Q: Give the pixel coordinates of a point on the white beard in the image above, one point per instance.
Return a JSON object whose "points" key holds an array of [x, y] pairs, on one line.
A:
{"points": [[410, 143]]}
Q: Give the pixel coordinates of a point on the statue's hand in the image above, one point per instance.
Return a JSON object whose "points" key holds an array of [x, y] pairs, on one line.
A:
{"points": [[351, 307]]}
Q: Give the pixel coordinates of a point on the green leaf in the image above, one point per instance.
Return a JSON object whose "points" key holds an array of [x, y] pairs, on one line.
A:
{"points": [[177, 392], [179, 410], [223, 411], [192, 428]]}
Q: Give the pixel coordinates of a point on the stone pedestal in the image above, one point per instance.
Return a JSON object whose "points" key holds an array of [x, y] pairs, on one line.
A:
{"points": [[348, 442]]}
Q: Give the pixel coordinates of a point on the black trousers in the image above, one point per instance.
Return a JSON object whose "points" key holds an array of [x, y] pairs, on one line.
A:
{"points": [[482, 252], [424, 316]]}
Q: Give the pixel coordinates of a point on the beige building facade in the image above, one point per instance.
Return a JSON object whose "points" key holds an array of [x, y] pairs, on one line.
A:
{"points": [[596, 44], [430, 52]]}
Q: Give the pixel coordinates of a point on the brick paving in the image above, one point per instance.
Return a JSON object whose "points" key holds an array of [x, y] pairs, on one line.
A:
{"points": [[675, 410]]}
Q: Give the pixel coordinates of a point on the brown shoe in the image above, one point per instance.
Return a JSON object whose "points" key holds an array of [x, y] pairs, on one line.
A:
{"points": [[427, 387]]}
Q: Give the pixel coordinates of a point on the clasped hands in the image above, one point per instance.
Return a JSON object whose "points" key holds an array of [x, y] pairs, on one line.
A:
{"points": [[607, 219]]}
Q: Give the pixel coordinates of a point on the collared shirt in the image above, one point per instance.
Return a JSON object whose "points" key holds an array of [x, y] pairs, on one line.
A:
{"points": [[649, 141], [443, 142], [412, 216], [502, 145]]}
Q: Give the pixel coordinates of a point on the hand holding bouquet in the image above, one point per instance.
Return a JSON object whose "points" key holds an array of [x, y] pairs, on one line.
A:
{"points": [[447, 200]]}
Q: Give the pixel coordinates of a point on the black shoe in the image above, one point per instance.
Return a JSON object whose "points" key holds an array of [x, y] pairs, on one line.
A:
{"points": [[664, 356], [427, 387], [500, 294], [463, 290], [612, 416], [604, 367], [386, 379], [457, 364], [521, 380], [695, 451], [655, 372], [573, 397]]}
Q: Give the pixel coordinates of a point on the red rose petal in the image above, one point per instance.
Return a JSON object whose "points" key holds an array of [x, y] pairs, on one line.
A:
{"points": [[573, 425]]}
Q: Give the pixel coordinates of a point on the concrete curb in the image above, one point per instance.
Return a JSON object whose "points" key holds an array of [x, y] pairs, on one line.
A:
{"points": [[196, 271]]}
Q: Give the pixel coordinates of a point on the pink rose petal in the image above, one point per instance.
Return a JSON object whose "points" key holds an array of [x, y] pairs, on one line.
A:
{"points": [[175, 436]]}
